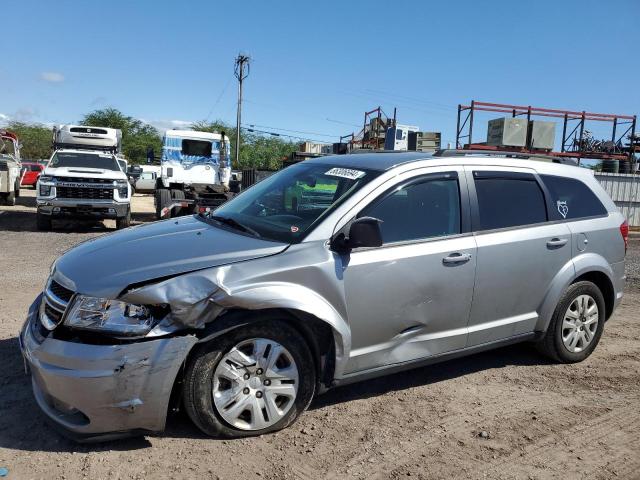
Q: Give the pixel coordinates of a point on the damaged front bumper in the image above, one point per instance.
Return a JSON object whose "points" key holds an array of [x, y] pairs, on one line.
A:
{"points": [[100, 392]]}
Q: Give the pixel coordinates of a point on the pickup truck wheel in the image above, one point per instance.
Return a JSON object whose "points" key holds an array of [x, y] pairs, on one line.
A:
{"points": [[253, 380], [43, 222], [576, 326], [11, 198], [163, 199], [177, 195], [124, 222]]}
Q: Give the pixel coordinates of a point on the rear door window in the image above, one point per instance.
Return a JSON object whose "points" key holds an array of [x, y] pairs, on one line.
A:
{"points": [[508, 200], [571, 198], [423, 209]]}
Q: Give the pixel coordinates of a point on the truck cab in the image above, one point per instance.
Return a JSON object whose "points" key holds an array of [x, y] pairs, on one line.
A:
{"points": [[84, 178], [195, 172]]}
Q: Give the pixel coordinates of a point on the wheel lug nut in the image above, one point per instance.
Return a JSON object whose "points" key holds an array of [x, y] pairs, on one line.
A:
{"points": [[245, 390], [246, 376], [259, 371], [258, 394], [267, 382]]}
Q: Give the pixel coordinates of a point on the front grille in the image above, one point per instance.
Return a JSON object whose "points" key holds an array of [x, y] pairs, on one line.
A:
{"points": [[54, 315], [59, 291], [56, 299], [85, 193], [101, 181]]}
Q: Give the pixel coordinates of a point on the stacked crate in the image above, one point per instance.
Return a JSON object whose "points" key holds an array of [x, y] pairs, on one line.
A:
{"points": [[425, 141]]}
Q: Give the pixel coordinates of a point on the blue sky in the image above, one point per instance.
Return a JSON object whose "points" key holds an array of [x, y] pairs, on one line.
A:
{"points": [[316, 67]]}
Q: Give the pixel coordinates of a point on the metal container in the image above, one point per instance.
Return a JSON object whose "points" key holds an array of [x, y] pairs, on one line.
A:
{"points": [[507, 132], [541, 135]]}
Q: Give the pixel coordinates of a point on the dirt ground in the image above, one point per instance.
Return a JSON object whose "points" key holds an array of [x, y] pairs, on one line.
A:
{"points": [[505, 414]]}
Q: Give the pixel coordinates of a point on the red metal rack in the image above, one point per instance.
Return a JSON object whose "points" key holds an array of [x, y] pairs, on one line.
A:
{"points": [[573, 144]]}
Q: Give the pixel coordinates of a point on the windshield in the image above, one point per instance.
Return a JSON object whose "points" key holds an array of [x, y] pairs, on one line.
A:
{"points": [[84, 160], [285, 206]]}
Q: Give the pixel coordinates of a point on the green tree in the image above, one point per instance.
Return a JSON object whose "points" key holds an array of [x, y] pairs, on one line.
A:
{"points": [[137, 136], [256, 151], [36, 140]]}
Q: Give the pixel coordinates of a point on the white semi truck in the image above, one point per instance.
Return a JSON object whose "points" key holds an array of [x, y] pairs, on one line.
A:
{"points": [[195, 173], [84, 178], [10, 167]]}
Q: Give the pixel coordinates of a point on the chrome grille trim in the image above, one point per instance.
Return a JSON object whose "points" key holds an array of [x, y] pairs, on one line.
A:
{"points": [[55, 303]]}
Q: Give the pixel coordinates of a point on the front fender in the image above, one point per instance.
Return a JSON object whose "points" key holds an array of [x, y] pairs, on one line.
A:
{"points": [[578, 266], [199, 298], [293, 297]]}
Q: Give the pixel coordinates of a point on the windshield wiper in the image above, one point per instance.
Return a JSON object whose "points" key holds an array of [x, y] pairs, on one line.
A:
{"points": [[235, 224]]}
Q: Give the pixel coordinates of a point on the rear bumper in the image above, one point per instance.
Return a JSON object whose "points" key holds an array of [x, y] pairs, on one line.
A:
{"points": [[101, 392], [60, 208], [619, 282]]}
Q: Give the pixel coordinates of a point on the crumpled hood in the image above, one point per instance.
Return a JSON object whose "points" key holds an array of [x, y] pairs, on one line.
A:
{"points": [[106, 265]]}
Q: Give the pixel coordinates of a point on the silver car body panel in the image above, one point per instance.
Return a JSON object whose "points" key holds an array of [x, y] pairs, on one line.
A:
{"points": [[93, 389], [388, 307]]}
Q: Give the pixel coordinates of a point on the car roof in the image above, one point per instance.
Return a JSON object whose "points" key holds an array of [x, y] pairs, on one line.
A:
{"points": [[384, 161], [371, 161]]}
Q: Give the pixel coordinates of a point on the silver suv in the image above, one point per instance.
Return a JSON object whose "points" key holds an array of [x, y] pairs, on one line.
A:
{"points": [[334, 270]]}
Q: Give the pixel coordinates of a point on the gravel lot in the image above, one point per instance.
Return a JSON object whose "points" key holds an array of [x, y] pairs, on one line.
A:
{"points": [[502, 414]]}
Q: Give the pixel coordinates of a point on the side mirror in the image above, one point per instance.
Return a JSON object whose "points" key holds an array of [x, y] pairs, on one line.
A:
{"points": [[234, 186], [363, 232], [150, 155]]}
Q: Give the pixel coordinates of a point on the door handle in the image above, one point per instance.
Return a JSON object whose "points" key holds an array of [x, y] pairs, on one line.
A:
{"points": [[456, 258], [557, 242]]}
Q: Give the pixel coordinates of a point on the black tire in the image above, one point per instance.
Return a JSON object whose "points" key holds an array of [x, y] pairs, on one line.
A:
{"points": [[10, 199], [163, 198], [198, 381], [124, 222], [178, 195], [43, 222], [552, 345]]}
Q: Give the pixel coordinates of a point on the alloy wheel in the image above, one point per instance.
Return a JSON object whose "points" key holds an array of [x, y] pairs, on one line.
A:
{"points": [[255, 384], [580, 323]]}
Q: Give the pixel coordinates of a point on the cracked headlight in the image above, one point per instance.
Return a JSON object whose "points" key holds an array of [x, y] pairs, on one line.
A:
{"points": [[112, 316]]}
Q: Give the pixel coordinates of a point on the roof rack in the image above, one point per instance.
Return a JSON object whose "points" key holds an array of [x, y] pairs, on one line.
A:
{"points": [[79, 146], [507, 154]]}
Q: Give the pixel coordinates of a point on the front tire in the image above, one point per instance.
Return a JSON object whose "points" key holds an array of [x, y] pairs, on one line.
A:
{"points": [[124, 222], [43, 222], [576, 326], [253, 380]]}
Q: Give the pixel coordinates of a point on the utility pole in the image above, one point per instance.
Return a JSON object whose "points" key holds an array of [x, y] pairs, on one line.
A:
{"points": [[241, 72]]}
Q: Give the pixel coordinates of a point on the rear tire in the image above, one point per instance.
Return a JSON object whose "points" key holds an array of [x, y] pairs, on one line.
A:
{"points": [[571, 336], [177, 195], [163, 199], [204, 392], [43, 222]]}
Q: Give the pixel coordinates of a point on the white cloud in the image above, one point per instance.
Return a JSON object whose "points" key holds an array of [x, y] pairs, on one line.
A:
{"points": [[52, 77], [163, 125]]}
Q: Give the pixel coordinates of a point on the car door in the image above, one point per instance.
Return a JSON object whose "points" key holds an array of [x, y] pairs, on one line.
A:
{"points": [[410, 298], [520, 251], [146, 181]]}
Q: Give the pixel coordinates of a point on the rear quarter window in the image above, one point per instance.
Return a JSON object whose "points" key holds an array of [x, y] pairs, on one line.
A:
{"points": [[571, 198]]}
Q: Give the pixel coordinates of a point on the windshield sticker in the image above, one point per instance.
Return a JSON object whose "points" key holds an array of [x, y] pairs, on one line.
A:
{"points": [[294, 229], [563, 209], [345, 173]]}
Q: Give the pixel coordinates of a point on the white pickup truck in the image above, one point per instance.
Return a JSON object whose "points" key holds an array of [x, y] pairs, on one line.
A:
{"points": [[83, 178]]}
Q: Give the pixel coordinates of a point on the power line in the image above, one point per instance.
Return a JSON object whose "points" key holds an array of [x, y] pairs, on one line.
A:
{"points": [[277, 134], [292, 131], [219, 98]]}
